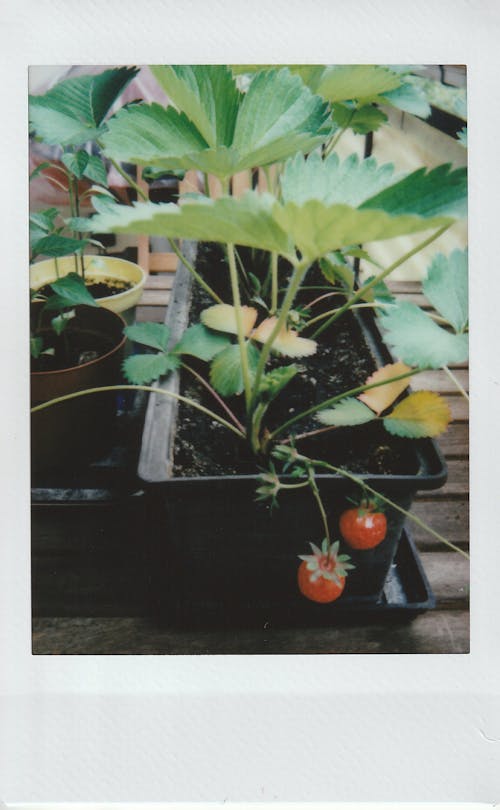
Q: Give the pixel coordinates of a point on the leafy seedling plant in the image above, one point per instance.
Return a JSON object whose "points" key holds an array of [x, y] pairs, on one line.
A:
{"points": [[71, 115], [316, 211], [67, 293]]}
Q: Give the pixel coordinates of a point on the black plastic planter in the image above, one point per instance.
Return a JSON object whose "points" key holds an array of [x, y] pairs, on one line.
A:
{"points": [[220, 556]]}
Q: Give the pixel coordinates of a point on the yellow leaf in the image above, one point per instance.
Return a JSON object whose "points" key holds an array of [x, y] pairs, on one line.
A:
{"points": [[423, 413], [378, 399], [222, 317], [287, 341]]}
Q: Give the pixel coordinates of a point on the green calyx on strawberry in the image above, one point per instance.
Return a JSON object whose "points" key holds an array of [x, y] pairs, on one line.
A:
{"points": [[327, 563]]}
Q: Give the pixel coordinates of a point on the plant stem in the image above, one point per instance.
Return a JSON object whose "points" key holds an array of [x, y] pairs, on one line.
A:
{"points": [[131, 182], [333, 311], [269, 183], [366, 487], [328, 402], [71, 195], [245, 373], [243, 272], [336, 138], [194, 272], [299, 485], [310, 433], [56, 183], [149, 388], [257, 416], [274, 282], [322, 297], [456, 382], [315, 491], [215, 396], [300, 269], [78, 234], [376, 279]]}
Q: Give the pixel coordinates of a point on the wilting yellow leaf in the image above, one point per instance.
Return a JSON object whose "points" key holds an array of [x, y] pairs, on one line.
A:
{"points": [[287, 341], [423, 413], [378, 399], [222, 317]]}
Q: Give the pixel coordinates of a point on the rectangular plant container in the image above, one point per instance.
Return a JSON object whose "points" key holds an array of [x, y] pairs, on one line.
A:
{"points": [[220, 555]]}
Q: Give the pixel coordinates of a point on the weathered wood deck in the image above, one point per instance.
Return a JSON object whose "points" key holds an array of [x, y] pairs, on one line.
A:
{"points": [[442, 630]]}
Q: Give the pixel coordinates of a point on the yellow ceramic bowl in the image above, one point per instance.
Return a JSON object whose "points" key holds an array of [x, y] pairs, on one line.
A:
{"points": [[97, 268]]}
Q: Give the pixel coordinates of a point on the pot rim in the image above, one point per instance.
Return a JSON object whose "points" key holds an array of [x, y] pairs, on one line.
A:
{"points": [[116, 347], [421, 479], [136, 285]]}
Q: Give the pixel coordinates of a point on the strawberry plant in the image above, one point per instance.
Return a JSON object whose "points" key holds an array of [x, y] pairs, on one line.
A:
{"points": [[261, 327]]}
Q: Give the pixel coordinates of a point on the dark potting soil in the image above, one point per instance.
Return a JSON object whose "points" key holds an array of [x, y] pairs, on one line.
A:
{"points": [[343, 361], [70, 349], [97, 289]]}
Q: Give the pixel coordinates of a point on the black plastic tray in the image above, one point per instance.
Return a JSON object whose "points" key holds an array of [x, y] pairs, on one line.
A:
{"points": [[407, 593]]}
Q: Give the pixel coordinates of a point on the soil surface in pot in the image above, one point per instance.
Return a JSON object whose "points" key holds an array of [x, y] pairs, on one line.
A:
{"points": [[72, 348], [343, 361], [102, 288]]}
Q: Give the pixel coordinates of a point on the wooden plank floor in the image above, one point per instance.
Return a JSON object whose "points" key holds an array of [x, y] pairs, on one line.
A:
{"points": [[443, 630]]}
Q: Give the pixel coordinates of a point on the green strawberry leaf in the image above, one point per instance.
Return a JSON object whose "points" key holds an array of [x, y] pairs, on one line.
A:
{"points": [[349, 411], [274, 381], [152, 135], [327, 205], [310, 74], [445, 97], [225, 369], [317, 229], [207, 95], [245, 221], [379, 292], [154, 335], [360, 253], [361, 82], [439, 192], [366, 118], [409, 98], [141, 369], [217, 129], [201, 342], [349, 182], [335, 271], [278, 117], [446, 287], [418, 341]]}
